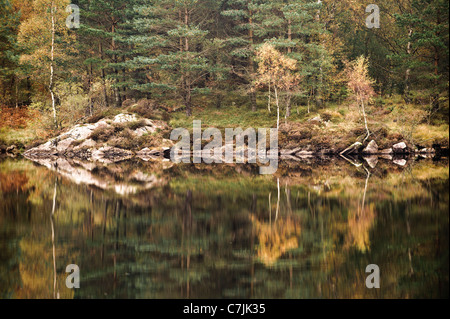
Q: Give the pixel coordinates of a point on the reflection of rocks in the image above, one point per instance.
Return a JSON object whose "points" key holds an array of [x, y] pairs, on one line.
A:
{"points": [[386, 157], [371, 160], [110, 154], [387, 151], [81, 172], [399, 161]]}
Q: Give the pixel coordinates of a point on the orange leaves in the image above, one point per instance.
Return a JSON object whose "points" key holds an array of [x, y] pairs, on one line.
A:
{"points": [[13, 118], [275, 68], [359, 81]]}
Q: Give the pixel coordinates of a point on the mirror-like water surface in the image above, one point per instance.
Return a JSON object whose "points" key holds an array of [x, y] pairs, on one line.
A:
{"points": [[152, 230]]}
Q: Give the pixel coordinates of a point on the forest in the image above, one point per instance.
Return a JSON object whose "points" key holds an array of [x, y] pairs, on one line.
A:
{"points": [[234, 62], [356, 92]]}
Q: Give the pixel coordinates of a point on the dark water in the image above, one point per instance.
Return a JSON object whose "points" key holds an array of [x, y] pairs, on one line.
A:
{"points": [[151, 230]]}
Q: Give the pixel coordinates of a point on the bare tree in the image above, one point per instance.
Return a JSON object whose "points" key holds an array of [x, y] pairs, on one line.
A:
{"points": [[360, 83]]}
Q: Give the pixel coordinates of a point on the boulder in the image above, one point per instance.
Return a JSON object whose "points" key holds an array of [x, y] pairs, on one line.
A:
{"points": [[316, 120], [89, 143], [125, 118], [400, 148], [371, 148], [80, 132], [144, 130], [63, 145], [427, 151]]}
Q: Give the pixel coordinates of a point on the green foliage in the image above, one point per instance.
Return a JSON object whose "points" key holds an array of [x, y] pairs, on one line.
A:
{"points": [[201, 53]]}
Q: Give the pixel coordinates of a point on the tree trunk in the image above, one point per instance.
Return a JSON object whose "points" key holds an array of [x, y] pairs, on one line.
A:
{"points": [[278, 107], [218, 101], [288, 105], [289, 35], [253, 99], [91, 107], [117, 101], [105, 94], [28, 91], [251, 64], [188, 100], [408, 69], [365, 120], [16, 80], [50, 87]]}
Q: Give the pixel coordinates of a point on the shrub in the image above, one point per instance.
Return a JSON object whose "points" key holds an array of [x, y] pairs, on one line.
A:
{"points": [[128, 102], [95, 118], [102, 133], [119, 127], [136, 124], [126, 139]]}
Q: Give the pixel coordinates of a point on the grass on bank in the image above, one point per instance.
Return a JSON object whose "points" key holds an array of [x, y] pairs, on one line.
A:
{"points": [[390, 120]]}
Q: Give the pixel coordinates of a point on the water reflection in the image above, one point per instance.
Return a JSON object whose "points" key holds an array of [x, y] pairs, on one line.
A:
{"points": [[202, 231]]}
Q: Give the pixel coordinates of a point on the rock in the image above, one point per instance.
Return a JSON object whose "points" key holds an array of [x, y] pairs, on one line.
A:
{"points": [[371, 148], [80, 132], [427, 150], [372, 160], [124, 118], [316, 120], [62, 146], [387, 151], [144, 130], [400, 148], [89, 143], [76, 142]]}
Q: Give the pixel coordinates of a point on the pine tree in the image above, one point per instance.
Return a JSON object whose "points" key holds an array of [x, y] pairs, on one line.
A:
{"points": [[425, 25], [104, 34], [9, 53], [171, 47]]}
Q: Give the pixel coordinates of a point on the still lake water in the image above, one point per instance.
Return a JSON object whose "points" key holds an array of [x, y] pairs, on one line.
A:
{"points": [[141, 229]]}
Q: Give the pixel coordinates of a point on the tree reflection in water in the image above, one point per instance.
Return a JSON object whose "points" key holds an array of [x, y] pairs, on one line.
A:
{"points": [[202, 232]]}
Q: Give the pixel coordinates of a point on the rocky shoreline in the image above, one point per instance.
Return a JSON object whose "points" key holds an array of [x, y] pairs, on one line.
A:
{"points": [[100, 142]]}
